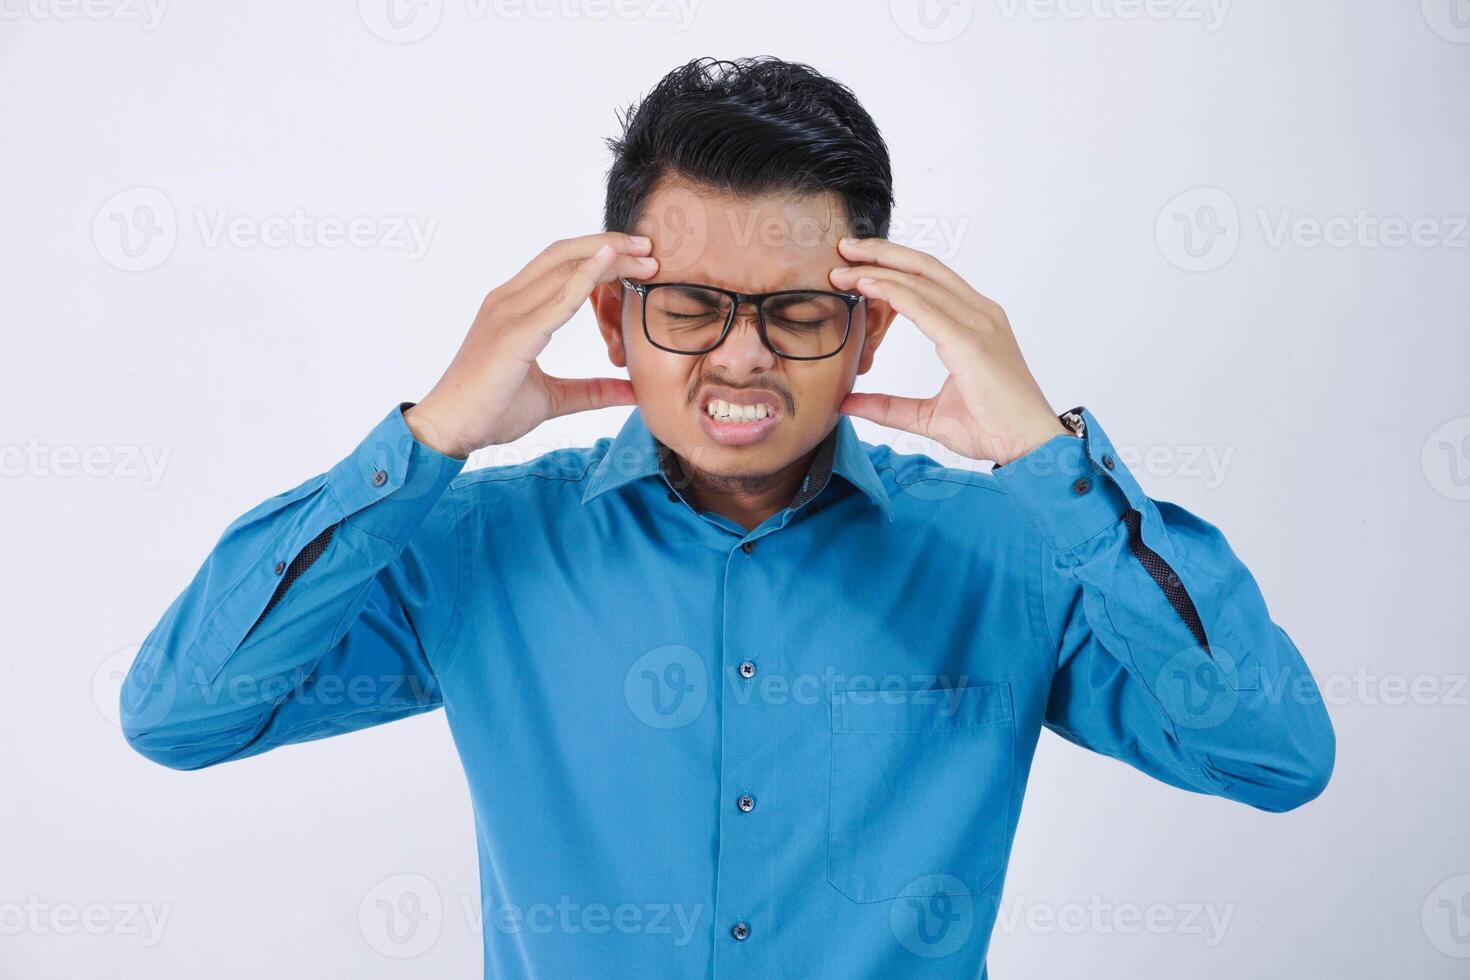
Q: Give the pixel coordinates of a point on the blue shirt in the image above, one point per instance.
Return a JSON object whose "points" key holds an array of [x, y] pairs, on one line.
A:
{"points": [[700, 751]]}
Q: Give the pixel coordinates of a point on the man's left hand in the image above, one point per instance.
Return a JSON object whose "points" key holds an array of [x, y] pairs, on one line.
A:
{"points": [[990, 407]]}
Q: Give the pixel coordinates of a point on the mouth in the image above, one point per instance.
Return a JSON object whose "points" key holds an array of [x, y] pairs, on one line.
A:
{"points": [[739, 417]]}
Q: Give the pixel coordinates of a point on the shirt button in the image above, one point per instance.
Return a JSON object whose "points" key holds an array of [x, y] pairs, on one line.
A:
{"points": [[1108, 461], [380, 477], [1082, 486], [740, 931], [746, 803], [748, 547], [747, 669], [280, 567]]}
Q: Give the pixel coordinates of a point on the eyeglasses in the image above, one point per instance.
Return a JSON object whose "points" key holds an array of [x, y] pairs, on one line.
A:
{"points": [[797, 324]]}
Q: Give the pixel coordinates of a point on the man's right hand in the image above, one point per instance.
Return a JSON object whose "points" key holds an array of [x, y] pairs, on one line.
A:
{"points": [[494, 392]]}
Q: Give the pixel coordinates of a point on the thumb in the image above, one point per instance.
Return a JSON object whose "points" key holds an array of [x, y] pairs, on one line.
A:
{"points": [[894, 411], [571, 395]]}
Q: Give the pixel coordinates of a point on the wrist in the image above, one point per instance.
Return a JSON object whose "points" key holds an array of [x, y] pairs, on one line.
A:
{"points": [[1044, 432], [433, 433]]}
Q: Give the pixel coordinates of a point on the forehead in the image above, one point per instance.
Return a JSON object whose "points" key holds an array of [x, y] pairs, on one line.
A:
{"points": [[751, 244]]}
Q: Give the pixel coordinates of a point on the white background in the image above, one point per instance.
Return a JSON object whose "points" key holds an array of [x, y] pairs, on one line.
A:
{"points": [[1308, 398]]}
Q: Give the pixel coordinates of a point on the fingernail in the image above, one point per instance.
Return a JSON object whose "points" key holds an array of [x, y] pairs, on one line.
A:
{"points": [[640, 240], [648, 262], [866, 281], [848, 241], [842, 268]]}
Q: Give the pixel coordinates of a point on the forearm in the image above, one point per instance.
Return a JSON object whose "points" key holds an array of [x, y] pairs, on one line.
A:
{"points": [[272, 611], [1166, 654]]}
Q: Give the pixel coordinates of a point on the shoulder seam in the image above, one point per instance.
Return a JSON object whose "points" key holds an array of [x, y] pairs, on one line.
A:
{"points": [[937, 477], [497, 474], [940, 478]]}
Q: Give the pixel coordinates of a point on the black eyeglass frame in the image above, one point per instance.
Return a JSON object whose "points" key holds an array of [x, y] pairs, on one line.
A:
{"points": [[759, 299]]}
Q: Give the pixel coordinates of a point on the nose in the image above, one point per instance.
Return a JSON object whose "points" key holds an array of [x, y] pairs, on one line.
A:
{"points": [[742, 352]]}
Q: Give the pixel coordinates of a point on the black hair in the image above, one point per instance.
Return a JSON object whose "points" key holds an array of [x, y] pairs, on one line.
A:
{"points": [[749, 127]]}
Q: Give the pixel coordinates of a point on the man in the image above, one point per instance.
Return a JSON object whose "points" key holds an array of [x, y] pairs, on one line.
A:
{"points": [[763, 694]]}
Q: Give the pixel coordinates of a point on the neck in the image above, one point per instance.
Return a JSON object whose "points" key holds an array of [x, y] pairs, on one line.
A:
{"points": [[746, 499]]}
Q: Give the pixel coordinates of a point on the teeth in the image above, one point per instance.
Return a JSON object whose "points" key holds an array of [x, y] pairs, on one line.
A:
{"points": [[726, 412]]}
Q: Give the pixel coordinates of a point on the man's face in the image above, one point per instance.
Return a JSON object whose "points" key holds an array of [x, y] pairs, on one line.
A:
{"points": [[749, 245]]}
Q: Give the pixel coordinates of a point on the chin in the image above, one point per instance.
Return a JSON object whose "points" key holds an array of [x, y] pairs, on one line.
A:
{"points": [[757, 459]]}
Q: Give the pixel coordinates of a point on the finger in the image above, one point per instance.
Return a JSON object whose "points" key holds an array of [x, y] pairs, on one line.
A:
{"points": [[930, 318], [574, 284], [601, 267], [942, 299], [571, 395], [570, 251], [556, 298], [893, 411], [881, 251], [561, 260]]}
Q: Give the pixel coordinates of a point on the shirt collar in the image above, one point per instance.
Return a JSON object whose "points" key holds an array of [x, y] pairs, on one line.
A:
{"points": [[635, 453]]}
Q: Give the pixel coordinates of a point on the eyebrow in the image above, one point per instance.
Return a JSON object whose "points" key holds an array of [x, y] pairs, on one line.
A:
{"points": [[690, 292], [781, 302]]}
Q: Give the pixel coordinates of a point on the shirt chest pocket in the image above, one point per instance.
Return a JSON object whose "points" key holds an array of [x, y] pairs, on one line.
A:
{"points": [[921, 786]]}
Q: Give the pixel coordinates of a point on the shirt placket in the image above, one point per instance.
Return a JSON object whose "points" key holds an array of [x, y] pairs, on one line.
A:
{"points": [[746, 913]]}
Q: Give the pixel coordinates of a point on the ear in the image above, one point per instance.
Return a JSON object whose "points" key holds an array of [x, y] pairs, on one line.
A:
{"points": [[879, 317], [607, 304]]}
